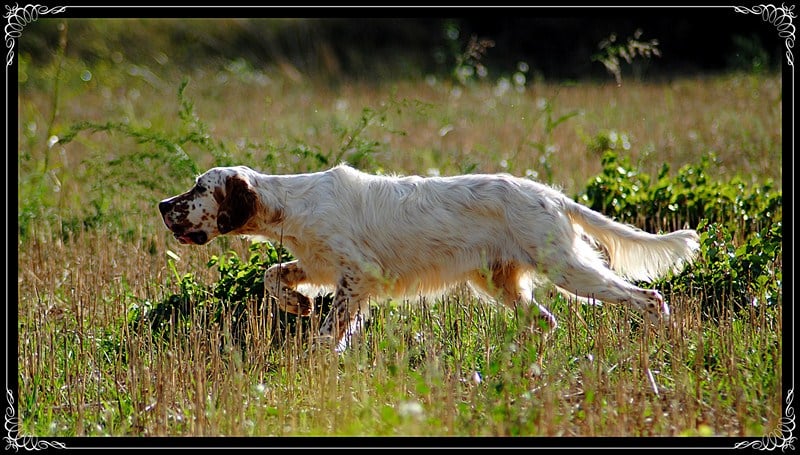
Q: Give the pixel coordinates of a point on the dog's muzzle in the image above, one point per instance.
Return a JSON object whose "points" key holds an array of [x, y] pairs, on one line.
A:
{"points": [[183, 234], [196, 237]]}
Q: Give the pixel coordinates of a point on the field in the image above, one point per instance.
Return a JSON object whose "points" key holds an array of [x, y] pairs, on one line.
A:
{"points": [[101, 144]]}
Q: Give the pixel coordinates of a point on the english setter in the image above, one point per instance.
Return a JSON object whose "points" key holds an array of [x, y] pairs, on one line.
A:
{"points": [[369, 236]]}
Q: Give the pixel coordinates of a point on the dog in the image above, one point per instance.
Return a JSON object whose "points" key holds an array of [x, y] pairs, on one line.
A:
{"points": [[372, 235]]}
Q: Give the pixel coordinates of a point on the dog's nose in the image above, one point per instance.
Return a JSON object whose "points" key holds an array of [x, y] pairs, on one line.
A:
{"points": [[163, 206]]}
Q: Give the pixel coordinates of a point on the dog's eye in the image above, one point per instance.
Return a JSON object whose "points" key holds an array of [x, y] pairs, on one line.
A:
{"points": [[199, 188]]}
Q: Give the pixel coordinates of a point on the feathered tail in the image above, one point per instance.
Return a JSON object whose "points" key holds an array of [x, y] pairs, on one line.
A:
{"points": [[634, 253]]}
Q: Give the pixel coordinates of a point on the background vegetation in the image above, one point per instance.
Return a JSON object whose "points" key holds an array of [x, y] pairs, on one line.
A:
{"points": [[556, 44], [123, 332]]}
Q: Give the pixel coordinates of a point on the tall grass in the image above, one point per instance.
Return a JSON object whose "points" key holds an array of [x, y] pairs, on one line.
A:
{"points": [[450, 366], [92, 246]]}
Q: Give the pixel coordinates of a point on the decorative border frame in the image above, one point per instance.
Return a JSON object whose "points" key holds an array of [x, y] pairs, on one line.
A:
{"points": [[781, 17], [19, 17], [781, 438], [14, 441]]}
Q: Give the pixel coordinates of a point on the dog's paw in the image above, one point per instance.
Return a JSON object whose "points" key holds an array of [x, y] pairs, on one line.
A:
{"points": [[655, 308], [544, 322], [305, 306], [319, 344]]}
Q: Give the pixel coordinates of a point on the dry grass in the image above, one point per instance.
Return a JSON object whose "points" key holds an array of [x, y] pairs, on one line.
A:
{"points": [[412, 373], [83, 371], [445, 127]]}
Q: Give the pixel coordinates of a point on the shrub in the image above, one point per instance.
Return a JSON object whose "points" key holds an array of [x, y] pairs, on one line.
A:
{"points": [[237, 298], [739, 262], [670, 203]]}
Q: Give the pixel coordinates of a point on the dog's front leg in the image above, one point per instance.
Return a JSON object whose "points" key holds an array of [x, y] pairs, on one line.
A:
{"points": [[346, 315], [279, 281]]}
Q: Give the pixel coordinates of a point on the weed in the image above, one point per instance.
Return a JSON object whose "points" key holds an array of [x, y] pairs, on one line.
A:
{"points": [[546, 146], [610, 52], [467, 64]]}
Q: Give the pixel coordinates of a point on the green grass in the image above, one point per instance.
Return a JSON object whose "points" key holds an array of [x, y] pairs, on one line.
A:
{"points": [[92, 247]]}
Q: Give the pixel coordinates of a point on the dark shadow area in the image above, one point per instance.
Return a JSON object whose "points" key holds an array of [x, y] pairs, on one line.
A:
{"points": [[563, 43]]}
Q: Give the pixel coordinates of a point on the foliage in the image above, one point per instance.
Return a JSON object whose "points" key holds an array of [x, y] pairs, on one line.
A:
{"points": [[731, 277], [623, 192], [730, 271], [238, 296]]}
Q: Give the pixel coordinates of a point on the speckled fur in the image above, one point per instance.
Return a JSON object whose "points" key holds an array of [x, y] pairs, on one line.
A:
{"points": [[370, 236]]}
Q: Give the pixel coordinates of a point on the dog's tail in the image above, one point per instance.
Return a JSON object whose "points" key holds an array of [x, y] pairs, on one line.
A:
{"points": [[632, 252]]}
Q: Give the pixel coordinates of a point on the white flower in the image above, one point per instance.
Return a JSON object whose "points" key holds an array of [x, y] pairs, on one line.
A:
{"points": [[410, 408]]}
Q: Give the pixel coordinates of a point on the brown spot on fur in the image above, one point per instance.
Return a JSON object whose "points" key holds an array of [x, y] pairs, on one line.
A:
{"points": [[239, 205], [219, 195]]}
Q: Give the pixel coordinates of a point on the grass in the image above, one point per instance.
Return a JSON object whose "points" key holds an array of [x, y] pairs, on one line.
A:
{"points": [[413, 373], [92, 245]]}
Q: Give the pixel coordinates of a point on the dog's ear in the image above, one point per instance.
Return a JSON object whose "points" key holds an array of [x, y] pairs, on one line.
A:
{"points": [[238, 205]]}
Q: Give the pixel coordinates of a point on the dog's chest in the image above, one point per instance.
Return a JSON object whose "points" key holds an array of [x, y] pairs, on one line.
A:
{"points": [[315, 258]]}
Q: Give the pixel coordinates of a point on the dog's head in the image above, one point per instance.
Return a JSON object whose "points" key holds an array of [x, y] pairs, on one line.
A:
{"points": [[222, 201]]}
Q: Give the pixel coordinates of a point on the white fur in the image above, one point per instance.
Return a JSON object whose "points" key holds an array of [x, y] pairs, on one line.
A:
{"points": [[371, 235]]}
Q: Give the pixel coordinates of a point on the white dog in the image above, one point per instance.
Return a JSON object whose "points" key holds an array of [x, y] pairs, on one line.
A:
{"points": [[369, 236]]}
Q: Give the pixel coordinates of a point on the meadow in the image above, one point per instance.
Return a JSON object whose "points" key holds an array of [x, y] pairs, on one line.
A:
{"points": [[101, 143]]}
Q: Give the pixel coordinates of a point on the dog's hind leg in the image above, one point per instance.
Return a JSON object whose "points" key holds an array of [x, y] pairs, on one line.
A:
{"points": [[279, 281], [589, 277]]}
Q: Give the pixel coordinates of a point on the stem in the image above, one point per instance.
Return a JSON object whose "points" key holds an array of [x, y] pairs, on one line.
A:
{"points": [[62, 48]]}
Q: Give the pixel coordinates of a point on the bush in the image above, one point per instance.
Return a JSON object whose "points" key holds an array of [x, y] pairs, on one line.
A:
{"points": [[671, 203], [238, 298], [739, 262]]}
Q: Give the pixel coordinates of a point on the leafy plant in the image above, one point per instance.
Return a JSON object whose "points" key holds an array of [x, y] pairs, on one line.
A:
{"points": [[238, 296], [356, 149], [731, 277], [730, 271], [668, 202], [467, 64]]}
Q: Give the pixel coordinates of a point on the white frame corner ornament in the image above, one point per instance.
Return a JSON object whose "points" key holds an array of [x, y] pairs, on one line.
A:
{"points": [[781, 17], [18, 17], [14, 440], [782, 437]]}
